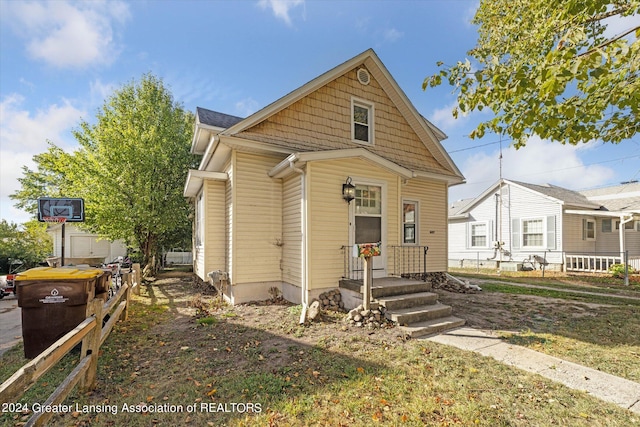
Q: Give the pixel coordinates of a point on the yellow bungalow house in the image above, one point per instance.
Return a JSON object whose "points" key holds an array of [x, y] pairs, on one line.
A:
{"points": [[270, 211]]}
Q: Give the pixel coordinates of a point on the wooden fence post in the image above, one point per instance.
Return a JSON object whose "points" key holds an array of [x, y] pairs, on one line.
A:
{"points": [[137, 278], [127, 296], [91, 345]]}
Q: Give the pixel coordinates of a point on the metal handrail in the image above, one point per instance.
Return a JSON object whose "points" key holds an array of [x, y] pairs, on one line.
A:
{"points": [[406, 261]]}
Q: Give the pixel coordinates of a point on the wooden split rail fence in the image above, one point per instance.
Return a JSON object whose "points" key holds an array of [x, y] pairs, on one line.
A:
{"points": [[92, 333]]}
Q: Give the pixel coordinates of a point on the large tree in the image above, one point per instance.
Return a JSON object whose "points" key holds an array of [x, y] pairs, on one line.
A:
{"points": [[130, 169], [557, 69], [29, 243]]}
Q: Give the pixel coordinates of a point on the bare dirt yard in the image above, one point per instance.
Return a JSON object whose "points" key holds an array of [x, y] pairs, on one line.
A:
{"points": [[185, 358]]}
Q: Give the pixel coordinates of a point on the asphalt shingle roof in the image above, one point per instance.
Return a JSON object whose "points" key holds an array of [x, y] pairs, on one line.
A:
{"points": [[569, 197], [621, 197], [214, 118]]}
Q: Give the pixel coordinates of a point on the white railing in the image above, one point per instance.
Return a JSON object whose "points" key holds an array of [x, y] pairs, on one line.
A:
{"points": [[595, 263]]}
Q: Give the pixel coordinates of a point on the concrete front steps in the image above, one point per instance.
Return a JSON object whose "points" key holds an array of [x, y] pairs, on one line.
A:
{"points": [[411, 304]]}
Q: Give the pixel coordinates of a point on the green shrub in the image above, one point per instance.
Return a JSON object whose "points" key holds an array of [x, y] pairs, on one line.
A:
{"points": [[617, 270]]}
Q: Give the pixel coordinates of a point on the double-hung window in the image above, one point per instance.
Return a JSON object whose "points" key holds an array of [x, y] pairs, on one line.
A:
{"points": [[588, 229], [479, 234], [362, 121], [533, 232], [628, 226]]}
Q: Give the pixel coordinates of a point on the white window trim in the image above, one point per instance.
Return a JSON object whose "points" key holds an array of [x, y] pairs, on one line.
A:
{"points": [[199, 221], [416, 222], [544, 232], [358, 180], [487, 227], [592, 221], [372, 113], [616, 226]]}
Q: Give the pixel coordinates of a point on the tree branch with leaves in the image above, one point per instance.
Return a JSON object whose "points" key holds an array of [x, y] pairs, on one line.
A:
{"points": [[551, 69], [130, 169]]}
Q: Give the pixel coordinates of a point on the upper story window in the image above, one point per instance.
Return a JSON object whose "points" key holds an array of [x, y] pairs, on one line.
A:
{"points": [[362, 121]]}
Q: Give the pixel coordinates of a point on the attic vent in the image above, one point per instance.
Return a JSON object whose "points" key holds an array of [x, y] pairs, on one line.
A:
{"points": [[363, 76]]}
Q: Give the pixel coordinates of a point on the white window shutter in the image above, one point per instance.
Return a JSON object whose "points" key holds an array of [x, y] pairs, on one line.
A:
{"points": [[467, 235], [551, 232], [515, 233]]}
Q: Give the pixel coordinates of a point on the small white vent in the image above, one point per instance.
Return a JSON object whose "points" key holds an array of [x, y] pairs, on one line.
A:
{"points": [[363, 76]]}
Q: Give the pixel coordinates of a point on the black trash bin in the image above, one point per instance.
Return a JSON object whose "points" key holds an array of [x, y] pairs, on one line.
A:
{"points": [[53, 302]]}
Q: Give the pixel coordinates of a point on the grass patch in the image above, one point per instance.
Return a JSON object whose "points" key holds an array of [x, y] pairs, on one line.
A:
{"points": [[605, 337], [207, 321], [279, 373], [561, 293], [598, 283]]}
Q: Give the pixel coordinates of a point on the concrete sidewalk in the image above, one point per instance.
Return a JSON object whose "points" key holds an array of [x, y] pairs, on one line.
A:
{"points": [[604, 386]]}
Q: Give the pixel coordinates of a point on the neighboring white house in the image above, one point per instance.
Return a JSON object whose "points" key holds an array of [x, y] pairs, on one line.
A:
{"points": [[81, 247], [514, 222]]}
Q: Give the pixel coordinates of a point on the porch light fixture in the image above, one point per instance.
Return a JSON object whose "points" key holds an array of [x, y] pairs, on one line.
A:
{"points": [[348, 190]]}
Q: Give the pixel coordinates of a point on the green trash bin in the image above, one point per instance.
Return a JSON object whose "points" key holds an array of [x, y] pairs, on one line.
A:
{"points": [[53, 302]]}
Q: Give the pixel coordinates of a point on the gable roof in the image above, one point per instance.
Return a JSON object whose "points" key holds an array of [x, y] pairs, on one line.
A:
{"points": [[458, 207], [428, 134], [560, 195]]}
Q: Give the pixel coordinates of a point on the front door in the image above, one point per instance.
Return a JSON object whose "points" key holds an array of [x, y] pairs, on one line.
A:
{"points": [[367, 222]]}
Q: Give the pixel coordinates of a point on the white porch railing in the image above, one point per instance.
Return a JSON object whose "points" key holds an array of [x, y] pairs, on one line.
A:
{"points": [[596, 263]]}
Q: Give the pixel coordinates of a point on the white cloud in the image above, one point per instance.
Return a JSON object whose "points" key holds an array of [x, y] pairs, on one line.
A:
{"points": [[281, 8], [20, 131], [539, 162], [101, 91], [69, 34], [470, 12], [443, 117], [246, 107], [392, 35], [617, 25], [22, 135]]}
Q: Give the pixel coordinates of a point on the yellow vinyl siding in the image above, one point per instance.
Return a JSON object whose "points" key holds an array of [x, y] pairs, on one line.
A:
{"points": [[292, 230], [214, 253], [257, 225], [432, 198], [322, 120], [329, 215]]}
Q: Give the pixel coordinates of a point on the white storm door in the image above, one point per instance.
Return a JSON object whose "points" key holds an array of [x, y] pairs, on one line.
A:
{"points": [[368, 222]]}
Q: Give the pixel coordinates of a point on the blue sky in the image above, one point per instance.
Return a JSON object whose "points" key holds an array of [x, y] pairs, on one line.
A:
{"points": [[59, 61]]}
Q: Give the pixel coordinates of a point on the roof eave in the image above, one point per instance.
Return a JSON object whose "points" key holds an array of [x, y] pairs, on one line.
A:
{"points": [[195, 179]]}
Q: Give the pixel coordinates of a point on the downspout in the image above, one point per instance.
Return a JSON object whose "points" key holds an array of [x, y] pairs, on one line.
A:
{"points": [[303, 208], [495, 247], [621, 232]]}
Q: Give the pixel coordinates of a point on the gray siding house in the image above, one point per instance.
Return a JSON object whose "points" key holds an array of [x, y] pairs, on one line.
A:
{"points": [[514, 225]]}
